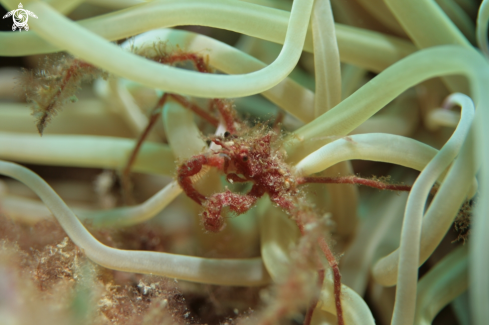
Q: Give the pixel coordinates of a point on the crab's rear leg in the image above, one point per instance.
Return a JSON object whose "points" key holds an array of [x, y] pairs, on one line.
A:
{"points": [[381, 185], [125, 181], [171, 59], [227, 113], [301, 220]]}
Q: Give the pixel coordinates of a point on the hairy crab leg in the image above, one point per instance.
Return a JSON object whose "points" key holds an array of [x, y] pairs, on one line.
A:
{"points": [[196, 109], [301, 219], [312, 307], [70, 77], [155, 115], [227, 113], [336, 278], [224, 108], [192, 167], [239, 203], [125, 181], [354, 180]]}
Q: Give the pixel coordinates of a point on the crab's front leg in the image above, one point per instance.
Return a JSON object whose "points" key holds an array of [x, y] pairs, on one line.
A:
{"points": [[239, 203], [192, 167]]}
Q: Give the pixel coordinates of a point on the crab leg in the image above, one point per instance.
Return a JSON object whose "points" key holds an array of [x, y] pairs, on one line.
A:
{"points": [[125, 182], [192, 167], [239, 203], [301, 219], [354, 180], [201, 66]]}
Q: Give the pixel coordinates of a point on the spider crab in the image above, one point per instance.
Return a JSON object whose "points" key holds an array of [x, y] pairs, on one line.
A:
{"points": [[249, 159], [253, 158]]}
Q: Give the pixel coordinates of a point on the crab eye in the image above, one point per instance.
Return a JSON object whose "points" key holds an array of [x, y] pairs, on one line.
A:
{"points": [[227, 134], [245, 158]]}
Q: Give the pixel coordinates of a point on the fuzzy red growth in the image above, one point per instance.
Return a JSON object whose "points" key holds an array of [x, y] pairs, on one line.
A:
{"points": [[49, 88]]}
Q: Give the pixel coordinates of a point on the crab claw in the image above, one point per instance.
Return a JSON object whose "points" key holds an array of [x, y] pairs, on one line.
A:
{"points": [[212, 219], [212, 222]]}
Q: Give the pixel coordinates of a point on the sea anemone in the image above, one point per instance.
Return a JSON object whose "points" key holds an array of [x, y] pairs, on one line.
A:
{"points": [[387, 93]]}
